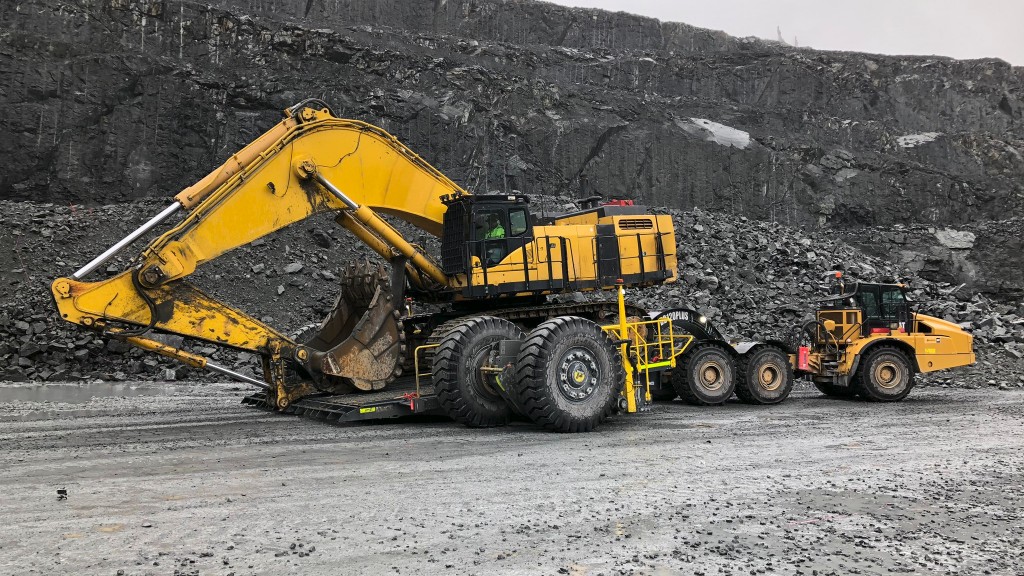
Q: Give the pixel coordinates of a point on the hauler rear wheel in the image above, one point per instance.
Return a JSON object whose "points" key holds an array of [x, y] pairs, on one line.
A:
{"points": [[568, 375], [468, 394], [706, 377], [765, 376], [885, 374]]}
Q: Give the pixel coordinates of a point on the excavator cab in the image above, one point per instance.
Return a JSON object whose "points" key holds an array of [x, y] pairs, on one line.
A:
{"points": [[480, 231]]}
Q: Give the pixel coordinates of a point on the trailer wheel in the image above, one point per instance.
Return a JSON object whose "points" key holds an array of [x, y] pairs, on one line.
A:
{"points": [[765, 376], [466, 393], [568, 375], [706, 377], [885, 375], [833, 391]]}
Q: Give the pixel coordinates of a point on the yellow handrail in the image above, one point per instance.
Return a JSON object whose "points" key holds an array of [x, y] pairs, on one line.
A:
{"points": [[652, 344], [416, 364]]}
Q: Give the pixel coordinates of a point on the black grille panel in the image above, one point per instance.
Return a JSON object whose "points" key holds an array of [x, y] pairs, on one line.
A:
{"points": [[636, 224], [453, 239]]}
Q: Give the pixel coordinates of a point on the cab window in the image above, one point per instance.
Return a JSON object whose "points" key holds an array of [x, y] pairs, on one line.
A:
{"points": [[517, 221], [893, 302], [868, 302], [489, 225]]}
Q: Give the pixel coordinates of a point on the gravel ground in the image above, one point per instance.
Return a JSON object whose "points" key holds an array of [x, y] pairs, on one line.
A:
{"points": [[182, 479]]}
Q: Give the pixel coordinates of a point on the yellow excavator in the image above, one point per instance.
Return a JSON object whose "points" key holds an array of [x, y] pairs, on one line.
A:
{"points": [[498, 263], [498, 346]]}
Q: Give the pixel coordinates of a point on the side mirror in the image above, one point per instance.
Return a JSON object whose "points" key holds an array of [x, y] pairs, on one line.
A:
{"points": [[830, 325]]}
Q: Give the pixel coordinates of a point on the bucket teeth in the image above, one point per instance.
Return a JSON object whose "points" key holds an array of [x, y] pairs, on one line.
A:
{"points": [[361, 342]]}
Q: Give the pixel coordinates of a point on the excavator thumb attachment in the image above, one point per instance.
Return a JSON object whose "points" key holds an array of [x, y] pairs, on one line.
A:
{"points": [[361, 343]]}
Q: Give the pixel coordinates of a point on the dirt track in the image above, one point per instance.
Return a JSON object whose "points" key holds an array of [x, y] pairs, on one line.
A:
{"points": [[183, 479]]}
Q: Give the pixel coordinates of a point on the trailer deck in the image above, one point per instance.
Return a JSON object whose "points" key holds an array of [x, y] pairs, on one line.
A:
{"points": [[402, 398]]}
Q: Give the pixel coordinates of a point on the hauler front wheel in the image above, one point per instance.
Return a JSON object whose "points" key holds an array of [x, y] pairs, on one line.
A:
{"points": [[885, 374]]}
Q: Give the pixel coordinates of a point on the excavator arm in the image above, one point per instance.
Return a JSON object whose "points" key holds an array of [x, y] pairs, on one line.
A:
{"points": [[309, 163]]}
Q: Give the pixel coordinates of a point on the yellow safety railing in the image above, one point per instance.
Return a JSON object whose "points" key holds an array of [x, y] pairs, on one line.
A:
{"points": [[416, 364], [652, 344], [646, 345]]}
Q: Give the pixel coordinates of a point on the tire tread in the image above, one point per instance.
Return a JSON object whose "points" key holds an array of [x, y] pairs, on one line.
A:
{"points": [[680, 381], [744, 388], [860, 381]]}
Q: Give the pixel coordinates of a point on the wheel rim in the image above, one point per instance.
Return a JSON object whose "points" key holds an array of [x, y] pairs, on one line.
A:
{"points": [[578, 374], [770, 377], [482, 381], [711, 376], [888, 375]]}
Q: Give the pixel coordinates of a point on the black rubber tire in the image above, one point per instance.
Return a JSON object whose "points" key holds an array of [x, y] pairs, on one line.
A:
{"points": [[765, 376], [691, 380], [833, 391], [564, 356], [462, 389], [884, 374]]}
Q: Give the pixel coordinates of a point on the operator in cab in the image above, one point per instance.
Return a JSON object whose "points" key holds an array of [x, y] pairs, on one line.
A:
{"points": [[494, 228], [490, 230]]}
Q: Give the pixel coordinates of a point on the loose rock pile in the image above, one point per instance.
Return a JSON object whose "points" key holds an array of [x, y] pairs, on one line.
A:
{"points": [[753, 279]]}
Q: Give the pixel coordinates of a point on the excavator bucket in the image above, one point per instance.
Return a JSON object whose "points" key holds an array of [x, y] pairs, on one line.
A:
{"points": [[361, 343]]}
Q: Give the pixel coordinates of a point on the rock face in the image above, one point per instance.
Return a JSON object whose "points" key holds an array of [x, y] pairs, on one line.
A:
{"points": [[111, 100], [955, 239]]}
